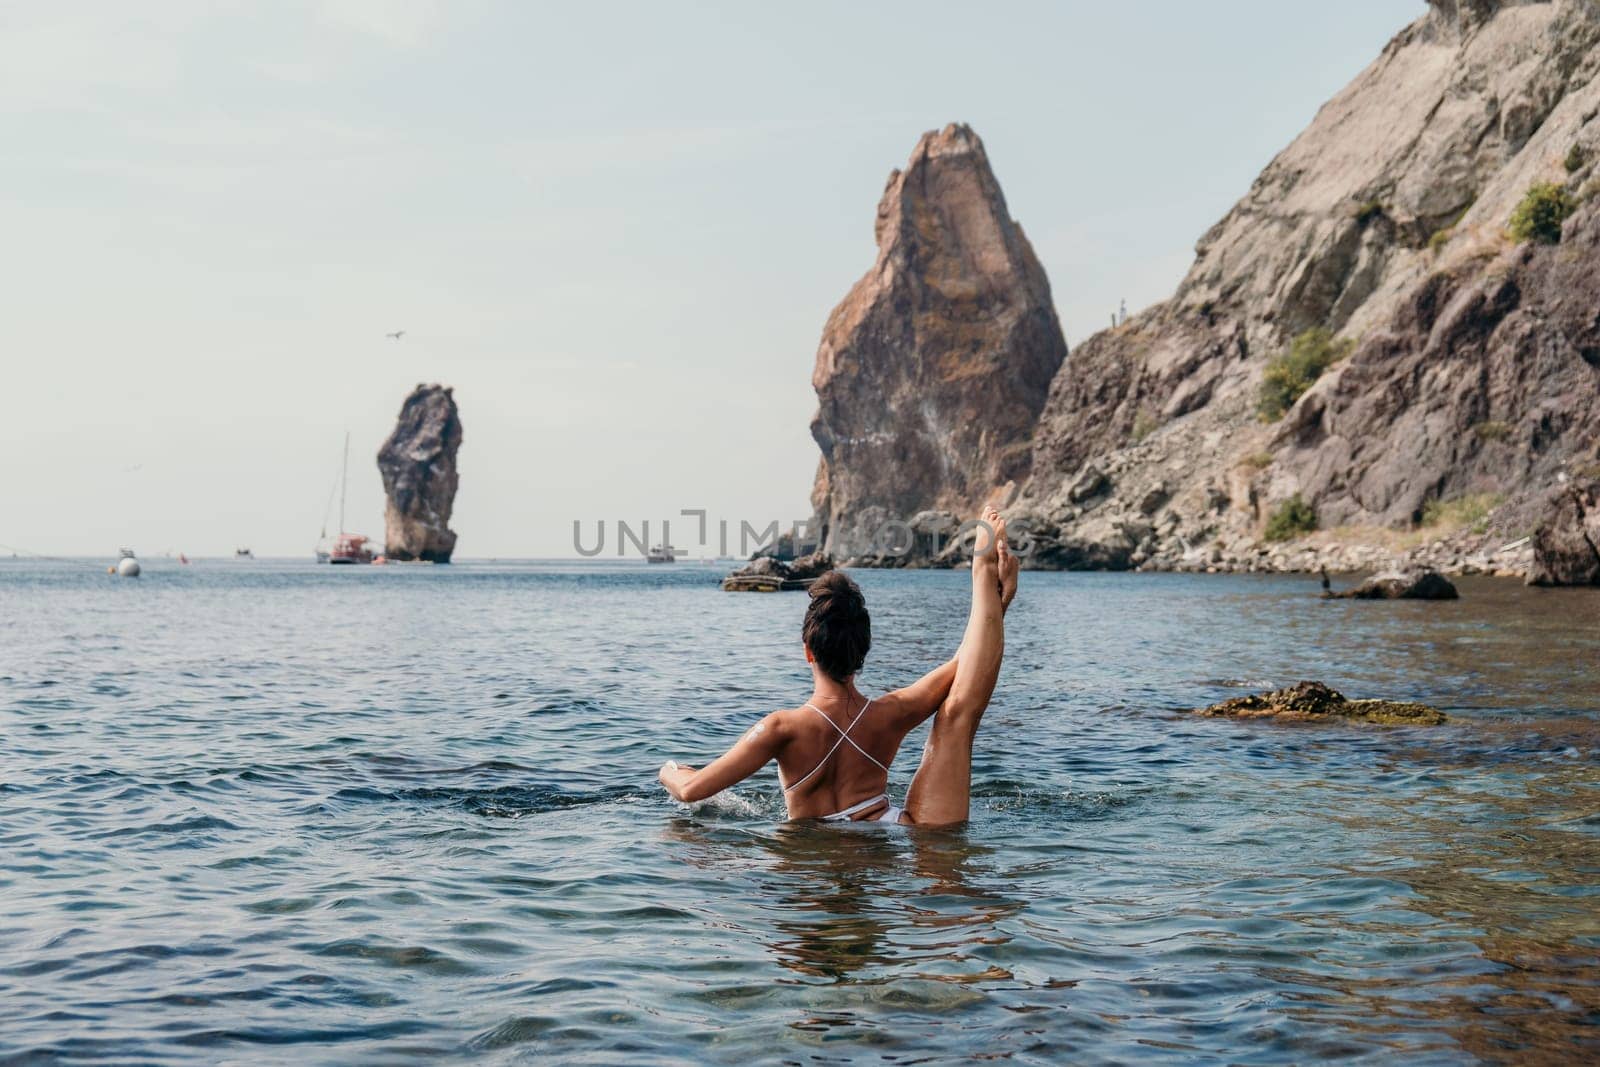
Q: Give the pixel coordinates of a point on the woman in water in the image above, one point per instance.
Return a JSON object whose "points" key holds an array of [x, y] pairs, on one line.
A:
{"points": [[834, 750]]}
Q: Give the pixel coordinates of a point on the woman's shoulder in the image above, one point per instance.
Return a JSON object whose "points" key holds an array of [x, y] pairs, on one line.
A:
{"points": [[785, 721]]}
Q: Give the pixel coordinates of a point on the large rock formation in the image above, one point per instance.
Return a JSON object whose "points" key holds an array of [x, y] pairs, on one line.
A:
{"points": [[1474, 360], [934, 368], [418, 464]]}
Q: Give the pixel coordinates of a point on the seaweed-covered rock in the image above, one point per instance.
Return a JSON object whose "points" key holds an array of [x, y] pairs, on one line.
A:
{"points": [[1315, 702], [1420, 584]]}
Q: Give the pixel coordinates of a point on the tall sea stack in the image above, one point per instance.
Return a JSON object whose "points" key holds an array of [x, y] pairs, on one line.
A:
{"points": [[934, 368], [418, 464]]}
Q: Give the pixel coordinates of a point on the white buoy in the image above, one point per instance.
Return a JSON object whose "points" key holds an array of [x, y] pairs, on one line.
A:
{"points": [[128, 567]]}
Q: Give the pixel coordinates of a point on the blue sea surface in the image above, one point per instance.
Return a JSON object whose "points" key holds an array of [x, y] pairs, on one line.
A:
{"points": [[270, 811]]}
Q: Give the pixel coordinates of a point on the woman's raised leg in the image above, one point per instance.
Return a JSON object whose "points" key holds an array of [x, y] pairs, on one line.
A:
{"points": [[940, 793]]}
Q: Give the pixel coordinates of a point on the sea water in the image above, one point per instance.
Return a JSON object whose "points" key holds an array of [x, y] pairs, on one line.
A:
{"points": [[275, 811]]}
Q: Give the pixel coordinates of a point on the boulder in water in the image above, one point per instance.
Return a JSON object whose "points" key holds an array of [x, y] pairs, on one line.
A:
{"points": [[1419, 584], [1315, 702], [1566, 544], [767, 575]]}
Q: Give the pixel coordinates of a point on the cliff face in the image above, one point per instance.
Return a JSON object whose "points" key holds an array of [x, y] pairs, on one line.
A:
{"points": [[418, 464], [934, 368], [1475, 367], [1485, 379]]}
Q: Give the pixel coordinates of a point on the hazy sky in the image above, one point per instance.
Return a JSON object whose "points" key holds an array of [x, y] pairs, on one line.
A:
{"points": [[616, 229]]}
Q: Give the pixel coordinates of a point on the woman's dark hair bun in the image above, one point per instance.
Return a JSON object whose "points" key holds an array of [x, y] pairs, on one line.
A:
{"points": [[838, 629]]}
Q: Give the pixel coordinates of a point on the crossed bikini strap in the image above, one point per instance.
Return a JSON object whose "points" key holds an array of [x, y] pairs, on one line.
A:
{"points": [[844, 735]]}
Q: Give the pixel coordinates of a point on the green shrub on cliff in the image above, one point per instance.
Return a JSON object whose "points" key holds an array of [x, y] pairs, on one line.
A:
{"points": [[1574, 160], [1292, 518], [1541, 213], [1258, 461], [1289, 375]]}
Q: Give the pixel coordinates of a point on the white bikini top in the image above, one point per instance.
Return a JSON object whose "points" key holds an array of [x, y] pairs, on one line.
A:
{"points": [[844, 735]]}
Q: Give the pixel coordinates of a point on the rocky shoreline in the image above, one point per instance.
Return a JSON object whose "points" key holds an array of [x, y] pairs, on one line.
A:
{"points": [[1345, 552]]}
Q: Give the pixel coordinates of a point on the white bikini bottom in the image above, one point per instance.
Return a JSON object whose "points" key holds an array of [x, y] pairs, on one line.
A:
{"points": [[889, 814]]}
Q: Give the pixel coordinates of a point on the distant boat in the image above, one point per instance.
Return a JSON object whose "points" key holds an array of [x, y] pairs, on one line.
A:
{"points": [[662, 554], [243, 553], [350, 548], [347, 547]]}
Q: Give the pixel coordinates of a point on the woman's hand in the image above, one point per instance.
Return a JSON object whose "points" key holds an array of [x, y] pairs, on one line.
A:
{"points": [[675, 778]]}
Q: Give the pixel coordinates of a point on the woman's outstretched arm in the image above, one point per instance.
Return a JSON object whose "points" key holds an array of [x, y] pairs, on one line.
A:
{"points": [[754, 750]]}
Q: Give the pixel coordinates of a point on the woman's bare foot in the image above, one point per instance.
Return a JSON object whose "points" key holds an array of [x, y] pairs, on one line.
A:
{"points": [[986, 547], [1009, 566]]}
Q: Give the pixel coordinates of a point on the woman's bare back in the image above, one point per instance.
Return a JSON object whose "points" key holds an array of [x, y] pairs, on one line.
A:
{"points": [[838, 752]]}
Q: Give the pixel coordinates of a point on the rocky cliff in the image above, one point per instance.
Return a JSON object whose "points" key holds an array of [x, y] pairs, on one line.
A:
{"points": [[1472, 379], [934, 368], [418, 464]]}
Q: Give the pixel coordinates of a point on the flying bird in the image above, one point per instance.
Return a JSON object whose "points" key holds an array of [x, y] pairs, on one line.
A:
{"points": [[396, 335]]}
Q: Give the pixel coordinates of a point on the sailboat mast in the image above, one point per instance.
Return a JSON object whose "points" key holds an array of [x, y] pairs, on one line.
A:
{"points": [[344, 479]]}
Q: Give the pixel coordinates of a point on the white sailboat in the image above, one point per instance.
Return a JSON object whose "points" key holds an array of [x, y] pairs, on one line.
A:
{"points": [[347, 547]]}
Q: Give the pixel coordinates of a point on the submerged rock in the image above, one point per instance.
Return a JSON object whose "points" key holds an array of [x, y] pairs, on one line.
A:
{"points": [[1315, 702], [1566, 544], [1418, 584], [765, 574], [418, 464]]}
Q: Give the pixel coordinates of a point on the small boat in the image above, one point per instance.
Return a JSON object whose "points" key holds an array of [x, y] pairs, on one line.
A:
{"points": [[243, 553], [350, 548], [347, 547], [662, 554]]}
